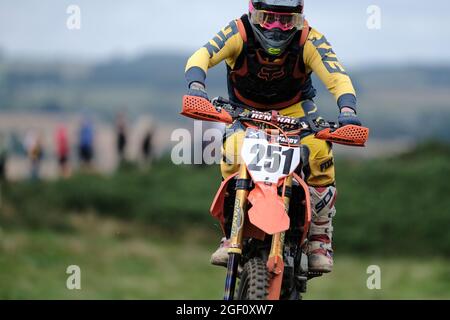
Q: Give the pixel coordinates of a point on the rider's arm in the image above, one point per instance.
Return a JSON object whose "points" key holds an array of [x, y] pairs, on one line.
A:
{"points": [[320, 58], [226, 45]]}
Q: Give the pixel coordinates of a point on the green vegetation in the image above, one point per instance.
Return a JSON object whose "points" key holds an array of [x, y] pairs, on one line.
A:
{"points": [[396, 206], [168, 196], [390, 206]]}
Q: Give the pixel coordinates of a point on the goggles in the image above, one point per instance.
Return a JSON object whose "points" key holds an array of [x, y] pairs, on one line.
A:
{"points": [[271, 20]]}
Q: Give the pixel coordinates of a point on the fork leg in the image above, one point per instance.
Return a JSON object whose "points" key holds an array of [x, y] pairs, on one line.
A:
{"points": [[275, 264], [237, 232]]}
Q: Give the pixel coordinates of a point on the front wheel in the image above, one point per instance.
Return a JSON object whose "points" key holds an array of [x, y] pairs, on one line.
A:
{"points": [[254, 284]]}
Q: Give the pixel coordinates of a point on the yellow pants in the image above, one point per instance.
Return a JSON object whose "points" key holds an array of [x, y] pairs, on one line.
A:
{"points": [[320, 171]]}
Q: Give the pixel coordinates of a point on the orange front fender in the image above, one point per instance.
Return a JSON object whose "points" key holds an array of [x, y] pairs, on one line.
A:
{"points": [[268, 211]]}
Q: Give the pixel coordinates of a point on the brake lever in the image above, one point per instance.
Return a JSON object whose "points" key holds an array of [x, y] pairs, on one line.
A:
{"points": [[220, 104], [319, 125], [315, 126]]}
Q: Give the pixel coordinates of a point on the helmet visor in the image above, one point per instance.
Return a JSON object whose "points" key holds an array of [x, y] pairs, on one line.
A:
{"points": [[271, 20]]}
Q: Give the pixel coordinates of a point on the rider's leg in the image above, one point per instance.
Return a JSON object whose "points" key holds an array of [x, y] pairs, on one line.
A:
{"points": [[231, 149], [320, 176]]}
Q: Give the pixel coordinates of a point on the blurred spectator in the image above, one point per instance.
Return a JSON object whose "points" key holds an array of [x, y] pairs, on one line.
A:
{"points": [[121, 129], [147, 148], [62, 150], [3, 156], [86, 143], [34, 148]]}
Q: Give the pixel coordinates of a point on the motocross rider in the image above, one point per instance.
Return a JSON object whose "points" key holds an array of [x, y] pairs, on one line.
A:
{"points": [[270, 54]]}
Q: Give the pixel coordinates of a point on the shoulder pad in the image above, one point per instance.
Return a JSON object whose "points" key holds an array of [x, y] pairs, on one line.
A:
{"points": [[305, 33], [241, 29]]}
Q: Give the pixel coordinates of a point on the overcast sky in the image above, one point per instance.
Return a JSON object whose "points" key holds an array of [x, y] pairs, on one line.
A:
{"points": [[411, 31]]}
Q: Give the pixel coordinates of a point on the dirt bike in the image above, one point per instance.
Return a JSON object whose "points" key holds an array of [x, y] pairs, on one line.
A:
{"points": [[268, 197]]}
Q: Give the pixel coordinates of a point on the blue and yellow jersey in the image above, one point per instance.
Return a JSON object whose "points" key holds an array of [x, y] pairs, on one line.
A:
{"points": [[318, 57]]}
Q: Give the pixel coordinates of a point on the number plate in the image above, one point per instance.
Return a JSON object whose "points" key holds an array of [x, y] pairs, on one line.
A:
{"points": [[268, 162]]}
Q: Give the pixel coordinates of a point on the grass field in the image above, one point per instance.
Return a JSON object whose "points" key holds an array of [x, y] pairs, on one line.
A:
{"points": [[124, 261]]}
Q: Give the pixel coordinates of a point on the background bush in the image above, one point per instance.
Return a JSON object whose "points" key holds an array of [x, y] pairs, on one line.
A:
{"points": [[395, 206]]}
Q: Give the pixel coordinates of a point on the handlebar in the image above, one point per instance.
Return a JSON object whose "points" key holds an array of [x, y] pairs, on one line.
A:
{"points": [[243, 112], [225, 111]]}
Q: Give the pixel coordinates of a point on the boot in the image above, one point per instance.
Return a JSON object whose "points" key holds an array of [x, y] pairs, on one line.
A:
{"points": [[320, 249], [220, 257]]}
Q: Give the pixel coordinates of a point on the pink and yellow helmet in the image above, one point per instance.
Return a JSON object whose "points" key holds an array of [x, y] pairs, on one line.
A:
{"points": [[275, 22]]}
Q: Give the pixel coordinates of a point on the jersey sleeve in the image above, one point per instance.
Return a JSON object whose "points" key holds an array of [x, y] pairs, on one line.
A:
{"points": [[320, 58], [225, 46]]}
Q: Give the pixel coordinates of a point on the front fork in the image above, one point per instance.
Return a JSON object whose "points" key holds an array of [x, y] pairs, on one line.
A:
{"points": [[237, 233], [275, 263]]}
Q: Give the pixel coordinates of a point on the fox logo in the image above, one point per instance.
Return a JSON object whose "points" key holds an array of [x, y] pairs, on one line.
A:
{"points": [[270, 74], [327, 165]]}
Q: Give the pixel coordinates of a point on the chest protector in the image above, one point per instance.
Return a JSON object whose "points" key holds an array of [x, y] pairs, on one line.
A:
{"points": [[264, 82]]}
